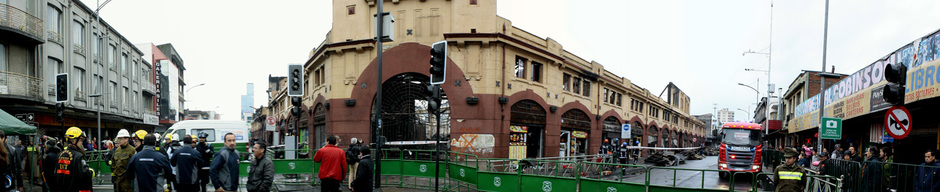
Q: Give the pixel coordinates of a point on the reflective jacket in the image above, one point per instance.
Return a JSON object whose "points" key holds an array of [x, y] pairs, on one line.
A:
{"points": [[119, 161], [187, 162], [789, 177], [77, 175], [145, 169]]}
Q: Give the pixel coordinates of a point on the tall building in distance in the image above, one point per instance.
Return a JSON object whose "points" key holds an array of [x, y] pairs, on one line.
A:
{"points": [[247, 101], [725, 115]]}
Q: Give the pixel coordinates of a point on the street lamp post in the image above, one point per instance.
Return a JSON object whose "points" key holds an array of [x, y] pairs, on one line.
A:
{"points": [[97, 96], [745, 111], [191, 88], [757, 101]]}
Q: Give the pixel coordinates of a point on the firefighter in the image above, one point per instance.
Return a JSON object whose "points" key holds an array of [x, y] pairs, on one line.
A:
{"points": [[122, 156], [623, 153], [72, 173], [137, 140]]}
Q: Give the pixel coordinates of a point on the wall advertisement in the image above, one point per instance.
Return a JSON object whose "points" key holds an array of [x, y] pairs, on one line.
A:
{"points": [[860, 93]]}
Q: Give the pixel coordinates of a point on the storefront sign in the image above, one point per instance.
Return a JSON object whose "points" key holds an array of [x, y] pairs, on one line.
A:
{"points": [[150, 119], [519, 129], [579, 134]]}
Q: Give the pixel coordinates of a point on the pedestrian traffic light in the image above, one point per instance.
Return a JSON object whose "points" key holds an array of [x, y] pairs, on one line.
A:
{"points": [[434, 99], [893, 92], [60, 112], [295, 80], [438, 62], [62, 87]]}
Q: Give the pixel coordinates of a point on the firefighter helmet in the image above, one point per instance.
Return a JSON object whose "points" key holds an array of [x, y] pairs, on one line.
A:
{"points": [[74, 132], [140, 134]]}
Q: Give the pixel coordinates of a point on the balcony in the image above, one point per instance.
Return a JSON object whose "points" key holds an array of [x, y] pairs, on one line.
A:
{"points": [[14, 21], [80, 96], [148, 86], [16, 84]]}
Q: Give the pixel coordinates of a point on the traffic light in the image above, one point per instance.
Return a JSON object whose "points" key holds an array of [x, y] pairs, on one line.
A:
{"points": [[438, 62], [60, 112], [893, 92], [62, 87], [295, 80], [434, 99], [296, 111]]}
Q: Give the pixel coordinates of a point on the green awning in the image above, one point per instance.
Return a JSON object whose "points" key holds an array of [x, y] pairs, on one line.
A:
{"points": [[13, 126]]}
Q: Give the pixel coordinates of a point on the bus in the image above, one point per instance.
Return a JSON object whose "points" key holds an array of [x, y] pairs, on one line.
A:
{"points": [[740, 149]]}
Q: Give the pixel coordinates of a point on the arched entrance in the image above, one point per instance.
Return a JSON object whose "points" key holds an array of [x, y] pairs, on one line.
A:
{"points": [[526, 128], [319, 127], [637, 135], [575, 128], [652, 137], [612, 128], [667, 141], [406, 122]]}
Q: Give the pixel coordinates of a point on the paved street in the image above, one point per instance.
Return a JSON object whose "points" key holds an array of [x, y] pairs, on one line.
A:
{"points": [[692, 179]]}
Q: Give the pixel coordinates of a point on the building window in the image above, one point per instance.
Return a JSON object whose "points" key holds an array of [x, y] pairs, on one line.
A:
{"points": [[316, 75], [78, 79], [78, 33], [577, 85], [115, 96], [619, 99], [94, 46], [3, 58], [520, 67], [587, 89], [606, 93], [126, 98], [123, 63], [350, 9], [111, 56], [536, 72], [55, 15], [322, 75], [473, 2], [565, 81]]}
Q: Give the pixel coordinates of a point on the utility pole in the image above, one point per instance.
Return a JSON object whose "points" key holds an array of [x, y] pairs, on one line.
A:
{"points": [[377, 133], [822, 80]]}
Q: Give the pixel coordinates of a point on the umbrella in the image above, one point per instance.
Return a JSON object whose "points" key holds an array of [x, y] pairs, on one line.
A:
{"points": [[13, 126]]}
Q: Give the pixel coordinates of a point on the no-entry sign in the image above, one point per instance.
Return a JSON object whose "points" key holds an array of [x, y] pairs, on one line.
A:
{"points": [[898, 122]]}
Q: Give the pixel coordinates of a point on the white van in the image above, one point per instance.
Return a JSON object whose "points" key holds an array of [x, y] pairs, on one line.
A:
{"points": [[216, 130]]}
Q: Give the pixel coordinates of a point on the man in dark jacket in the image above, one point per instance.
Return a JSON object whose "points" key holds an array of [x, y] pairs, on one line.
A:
{"points": [[871, 172], [49, 165], [364, 174], [790, 176], [823, 163], [147, 165], [928, 175], [224, 169], [187, 161], [261, 171], [206, 152], [352, 159]]}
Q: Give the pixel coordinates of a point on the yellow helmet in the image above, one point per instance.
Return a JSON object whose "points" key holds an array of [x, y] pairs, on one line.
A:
{"points": [[74, 132], [170, 137], [140, 134]]}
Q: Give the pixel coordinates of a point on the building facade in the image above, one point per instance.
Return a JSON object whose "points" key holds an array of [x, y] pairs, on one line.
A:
{"points": [[508, 92], [43, 38], [725, 115]]}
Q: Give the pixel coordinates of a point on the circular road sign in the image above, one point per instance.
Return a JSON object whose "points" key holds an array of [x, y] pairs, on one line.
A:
{"points": [[898, 122]]}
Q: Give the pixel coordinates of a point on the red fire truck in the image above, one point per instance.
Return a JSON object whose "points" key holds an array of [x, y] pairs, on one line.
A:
{"points": [[740, 149]]}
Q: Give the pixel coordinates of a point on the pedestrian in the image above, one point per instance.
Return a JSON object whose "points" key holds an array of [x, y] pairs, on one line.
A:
{"points": [[8, 168], [332, 165], [803, 161], [789, 176], [849, 172], [120, 158], [887, 156], [872, 170], [224, 168], [855, 155], [364, 174], [72, 174], [928, 175], [261, 172], [187, 162], [837, 151], [823, 163], [48, 165], [146, 167], [169, 146], [206, 152], [352, 159]]}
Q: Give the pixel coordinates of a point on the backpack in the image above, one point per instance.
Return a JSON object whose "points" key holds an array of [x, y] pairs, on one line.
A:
{"points": [[352, 155]]}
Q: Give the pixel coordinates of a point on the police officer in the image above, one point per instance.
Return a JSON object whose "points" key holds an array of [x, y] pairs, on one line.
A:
{"points": [[146, 167], [169, 145], [187, 162], [790, 176], [121, 157], [206, 152], [49, 161], [72, 173]]}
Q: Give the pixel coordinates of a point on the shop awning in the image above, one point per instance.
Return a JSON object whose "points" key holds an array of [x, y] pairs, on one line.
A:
{"points": [[13, 126]]}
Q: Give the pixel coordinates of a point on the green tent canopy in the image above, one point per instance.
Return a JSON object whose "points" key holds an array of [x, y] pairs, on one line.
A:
{"points": [[13, 126]]}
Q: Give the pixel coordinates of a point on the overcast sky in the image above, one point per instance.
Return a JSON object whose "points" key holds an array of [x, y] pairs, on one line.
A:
{"points": [[695, 44]]}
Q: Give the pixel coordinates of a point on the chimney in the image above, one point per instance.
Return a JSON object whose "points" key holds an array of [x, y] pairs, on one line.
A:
{"points": [[833, 69]]}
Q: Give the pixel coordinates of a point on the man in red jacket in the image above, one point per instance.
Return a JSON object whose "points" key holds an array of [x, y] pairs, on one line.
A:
{"points": [[332, 161]]}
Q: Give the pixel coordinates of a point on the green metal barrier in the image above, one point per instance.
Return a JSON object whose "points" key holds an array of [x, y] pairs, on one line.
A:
{"points": [[498, 175], [549, 175], [391, 167], [675, 188], [420, 163], [613, 182], [463, 168]]}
